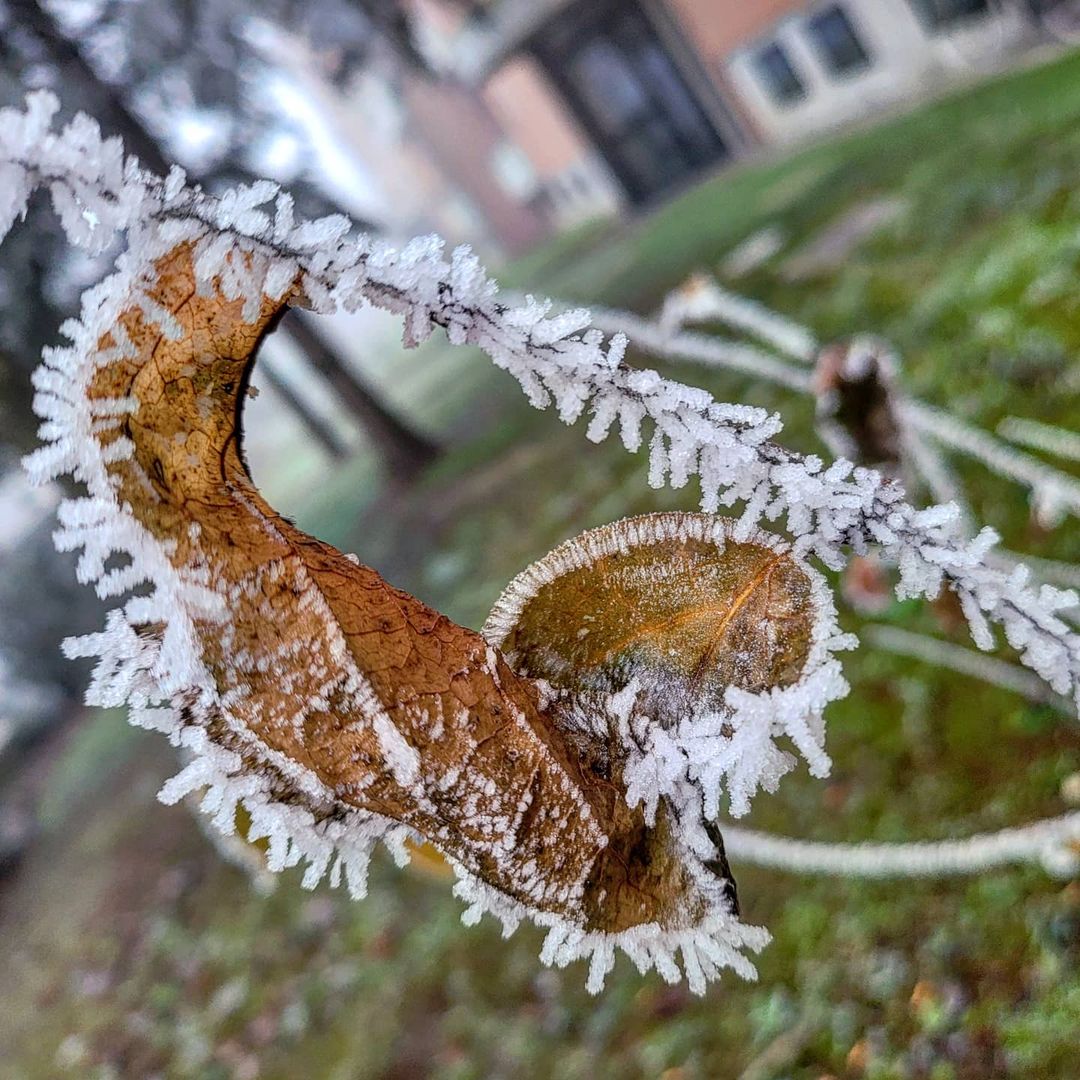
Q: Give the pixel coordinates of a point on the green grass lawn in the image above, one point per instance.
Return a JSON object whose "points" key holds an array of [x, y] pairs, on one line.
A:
{"points": [[132, 950]]}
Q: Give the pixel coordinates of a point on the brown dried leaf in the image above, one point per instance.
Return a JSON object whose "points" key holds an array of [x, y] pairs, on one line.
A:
{"points": [[669, 599], [673, 602]]}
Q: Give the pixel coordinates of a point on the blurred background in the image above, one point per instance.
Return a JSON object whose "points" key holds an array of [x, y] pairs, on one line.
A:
{"points": [[905, 167]]}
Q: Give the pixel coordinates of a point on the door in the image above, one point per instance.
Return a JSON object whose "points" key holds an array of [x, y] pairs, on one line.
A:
{"points": [[624, 87]]}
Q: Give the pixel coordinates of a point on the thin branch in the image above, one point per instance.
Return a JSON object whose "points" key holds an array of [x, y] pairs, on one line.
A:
{"points": [[730, 448], [1053, 843], [1054, 493], [1039, 436], [978, 665]]}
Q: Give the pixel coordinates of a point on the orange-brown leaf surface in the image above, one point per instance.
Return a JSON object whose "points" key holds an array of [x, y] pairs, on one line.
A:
{"points": [[687, 615]]}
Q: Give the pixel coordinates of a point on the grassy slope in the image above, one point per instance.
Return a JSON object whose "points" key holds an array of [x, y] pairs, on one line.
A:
{"points": [[126, 931]]}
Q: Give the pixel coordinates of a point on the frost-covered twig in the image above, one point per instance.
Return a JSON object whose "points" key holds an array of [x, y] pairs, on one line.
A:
{"points": [[703, 299], [702, 349], [1054, 843], [1053, 493], [1040, 436], [978, 665]]}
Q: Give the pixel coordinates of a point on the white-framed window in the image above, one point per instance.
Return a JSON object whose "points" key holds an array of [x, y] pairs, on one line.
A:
{"points": [[941, 14], [777, 74], [837, 42]]}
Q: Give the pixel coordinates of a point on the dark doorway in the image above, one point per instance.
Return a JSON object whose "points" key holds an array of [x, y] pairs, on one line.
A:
{"points": [[627, 91]]}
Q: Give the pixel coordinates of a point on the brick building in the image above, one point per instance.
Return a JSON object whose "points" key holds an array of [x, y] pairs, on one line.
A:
{"points": [[603, 102]]}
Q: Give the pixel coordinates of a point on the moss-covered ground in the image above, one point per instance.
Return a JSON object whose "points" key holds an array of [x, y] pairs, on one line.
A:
{"points": [[129, 949]]}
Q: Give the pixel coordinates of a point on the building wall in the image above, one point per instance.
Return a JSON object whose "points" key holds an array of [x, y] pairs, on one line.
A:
{"points": [[906, 59], [571, 182], [522, 102], [528, 165], [718, 27], [463, 138]]}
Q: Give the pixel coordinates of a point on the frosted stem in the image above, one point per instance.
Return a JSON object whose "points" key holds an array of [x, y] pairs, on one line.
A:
{"points": [[945, 654], [1049, 842], [703, 349], [1054, 493], [703, 299], [1039, 436]]}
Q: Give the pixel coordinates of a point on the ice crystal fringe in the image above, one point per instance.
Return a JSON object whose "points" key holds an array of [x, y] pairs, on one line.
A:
{"points": [[718, 942], [236, 851], [250, 242]]}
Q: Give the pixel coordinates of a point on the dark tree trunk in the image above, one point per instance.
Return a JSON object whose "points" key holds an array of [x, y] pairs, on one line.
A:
{"points": [[406, 451]]}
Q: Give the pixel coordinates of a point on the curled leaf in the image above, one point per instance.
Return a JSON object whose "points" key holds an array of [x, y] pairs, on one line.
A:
{"points": [[341, 692], [336, 711]]}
